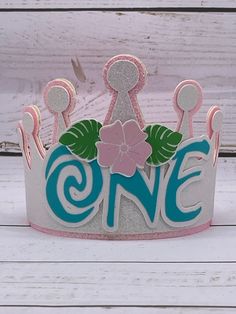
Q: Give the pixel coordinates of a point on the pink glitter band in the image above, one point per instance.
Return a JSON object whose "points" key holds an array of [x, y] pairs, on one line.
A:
{"points": [[144, 236]]}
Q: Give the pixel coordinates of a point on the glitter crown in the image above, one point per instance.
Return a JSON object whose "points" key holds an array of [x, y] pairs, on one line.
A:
{"points": [[123, 178]]}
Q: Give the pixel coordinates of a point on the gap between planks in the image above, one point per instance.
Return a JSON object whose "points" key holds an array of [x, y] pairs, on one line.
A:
{"points": [[106, 4], [114, 310]]}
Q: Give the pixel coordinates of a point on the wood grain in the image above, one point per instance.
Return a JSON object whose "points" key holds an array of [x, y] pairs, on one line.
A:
{"points": [[118, 284], [87, 4], [38, 46]]}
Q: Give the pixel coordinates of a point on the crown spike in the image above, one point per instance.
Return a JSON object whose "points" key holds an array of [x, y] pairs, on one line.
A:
{"points": [[59, 97], [187, 101], [29, 139], [124, 76], [214, 125], [23, 143]]}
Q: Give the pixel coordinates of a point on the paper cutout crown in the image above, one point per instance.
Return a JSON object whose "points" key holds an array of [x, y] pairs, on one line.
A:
{"points": [[122, 179]]}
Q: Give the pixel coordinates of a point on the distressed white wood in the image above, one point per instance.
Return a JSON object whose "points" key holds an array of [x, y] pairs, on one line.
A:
{"points": [[116, 310], [24, 4], [12, 193], [38, 46], [118, 284], [25, 244]]}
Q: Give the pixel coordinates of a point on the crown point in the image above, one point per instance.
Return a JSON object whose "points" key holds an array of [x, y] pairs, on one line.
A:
{"points": [[28, 123], [217, 121], [59, 97], [31, 120], [214, 120], [188, 96], [187, 101], [124, 73], [124, 76]]}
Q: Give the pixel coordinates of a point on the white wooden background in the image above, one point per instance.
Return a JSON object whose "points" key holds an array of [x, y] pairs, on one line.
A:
{"points": [[38, 46], [195, 39]]}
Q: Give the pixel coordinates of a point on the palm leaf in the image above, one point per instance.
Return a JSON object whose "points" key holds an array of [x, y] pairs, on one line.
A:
{"points": [[164, 143], [81, 138]]}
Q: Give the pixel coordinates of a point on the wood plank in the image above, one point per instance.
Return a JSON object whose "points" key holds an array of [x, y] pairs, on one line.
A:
{"points": [[114, 310], [88, 4], [12, 194], [118, 284], [22, 244], [38, 46]]}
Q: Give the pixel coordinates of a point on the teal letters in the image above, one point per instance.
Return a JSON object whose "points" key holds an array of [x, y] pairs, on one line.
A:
{"points": [[52, 184], [139, 188], [136, 186], [172, 211]]}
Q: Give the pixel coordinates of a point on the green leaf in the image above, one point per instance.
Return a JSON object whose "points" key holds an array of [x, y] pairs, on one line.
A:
{"points": [[81, 138], [164, 143]]}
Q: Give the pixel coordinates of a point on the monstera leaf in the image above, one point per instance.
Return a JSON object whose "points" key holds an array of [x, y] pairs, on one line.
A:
{"points": [[81, 138], [164, 143]]}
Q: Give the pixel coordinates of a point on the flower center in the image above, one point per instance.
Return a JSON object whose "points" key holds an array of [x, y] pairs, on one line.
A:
{"points": [[124, 148]]}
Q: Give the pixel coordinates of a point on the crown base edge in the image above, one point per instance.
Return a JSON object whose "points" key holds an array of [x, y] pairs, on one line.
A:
{"points": [[144, 236]]}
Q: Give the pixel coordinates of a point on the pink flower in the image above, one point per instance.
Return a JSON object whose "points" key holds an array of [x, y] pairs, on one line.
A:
{"points": [[123, 147]]}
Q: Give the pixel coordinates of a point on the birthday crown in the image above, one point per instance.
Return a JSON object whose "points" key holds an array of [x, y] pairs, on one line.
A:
{"points": [[123, 179]]}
